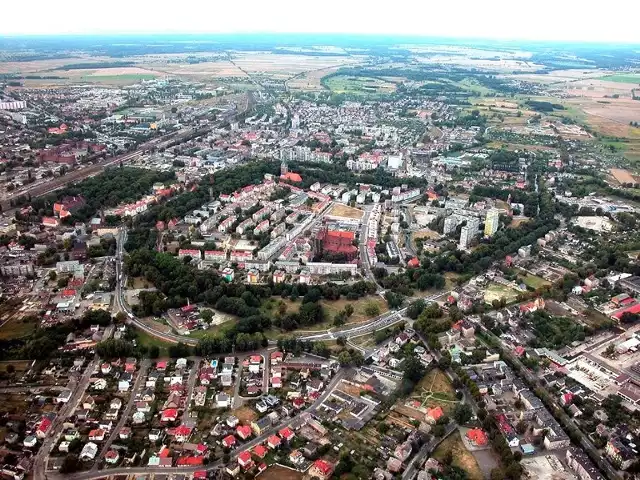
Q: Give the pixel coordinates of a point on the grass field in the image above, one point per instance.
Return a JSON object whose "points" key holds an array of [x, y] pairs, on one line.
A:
{"points": [[496, 291], [17, 327], [331, 308], [359, 85], [622, 78], [143, 338], [462, 458], [437, 390], [536, 282]]}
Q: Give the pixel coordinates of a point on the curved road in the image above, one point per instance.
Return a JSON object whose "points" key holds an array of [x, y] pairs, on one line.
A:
{"points": [[381, 321]]}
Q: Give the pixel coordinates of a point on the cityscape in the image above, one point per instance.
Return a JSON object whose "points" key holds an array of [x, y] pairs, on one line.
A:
{"points": [[318, 257]]}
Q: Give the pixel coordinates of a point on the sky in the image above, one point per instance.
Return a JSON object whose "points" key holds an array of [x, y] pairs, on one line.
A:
{"points": [[545, 20]]}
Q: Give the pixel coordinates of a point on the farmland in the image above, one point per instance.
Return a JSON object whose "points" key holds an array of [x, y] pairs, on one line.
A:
{"points": [[358, 85], [622, 78]]}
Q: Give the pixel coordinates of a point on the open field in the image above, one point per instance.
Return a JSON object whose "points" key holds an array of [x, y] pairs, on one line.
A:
{"points": [[277, 472], [41, 66], [462, 457], [144, 339], [622, 176], [331, 308], [20, 366], [204, 70], [437, 381], [359, 85], [365, 341], [435, 390], [129, 78], [284, 65], [246, 415], [496, 291], [536, 282], [340, 210], [18, 326], [623, 78], [359, 307], [426, 233]]}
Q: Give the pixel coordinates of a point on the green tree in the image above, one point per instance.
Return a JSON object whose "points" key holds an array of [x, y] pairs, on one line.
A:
{"points": [[348, 310], [413, 369], [462, 414], [207, 315], [372, 309]]}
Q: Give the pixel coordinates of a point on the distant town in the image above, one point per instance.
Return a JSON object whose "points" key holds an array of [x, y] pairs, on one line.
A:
{"points": [[319, 264]]}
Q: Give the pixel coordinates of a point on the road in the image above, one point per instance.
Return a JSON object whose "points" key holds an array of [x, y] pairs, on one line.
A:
{"points": [[191, 383], [291, 422], [39, 465], [120, 304], [414, 465], [124, 415], [605, 466]]}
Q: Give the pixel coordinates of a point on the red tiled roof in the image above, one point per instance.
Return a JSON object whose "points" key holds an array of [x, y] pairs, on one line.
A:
{"points": [[184, 461], [260, 451], [323, 466]]}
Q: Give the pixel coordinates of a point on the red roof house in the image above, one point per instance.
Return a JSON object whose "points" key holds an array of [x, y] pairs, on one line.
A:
{"points": [[229, 441], [169, 415], [260, 451], [244, 459], [273, 441], [321, 469], [243, 431], [286, 433], [477, 436]]}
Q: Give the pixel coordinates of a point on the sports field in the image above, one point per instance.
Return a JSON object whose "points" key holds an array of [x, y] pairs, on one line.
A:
{"points": [[496, 291]]}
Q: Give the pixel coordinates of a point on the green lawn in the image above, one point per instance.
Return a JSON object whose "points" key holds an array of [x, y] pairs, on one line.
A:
{"points": [[18, 327], [143, 338], [331, 308], [496, 291], [536, 282], [622, 78]]}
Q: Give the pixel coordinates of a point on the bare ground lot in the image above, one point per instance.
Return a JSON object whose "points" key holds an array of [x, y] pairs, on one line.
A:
{"points": [[276, 472], [344, 211], [246, 415]]}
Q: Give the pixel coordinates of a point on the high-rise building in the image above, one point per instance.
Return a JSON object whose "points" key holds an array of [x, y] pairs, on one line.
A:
{"points": [[468, 232], [491, 223]]}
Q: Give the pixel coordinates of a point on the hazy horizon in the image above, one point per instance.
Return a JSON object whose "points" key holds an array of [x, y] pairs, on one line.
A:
{"points": [[546, 21]]}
